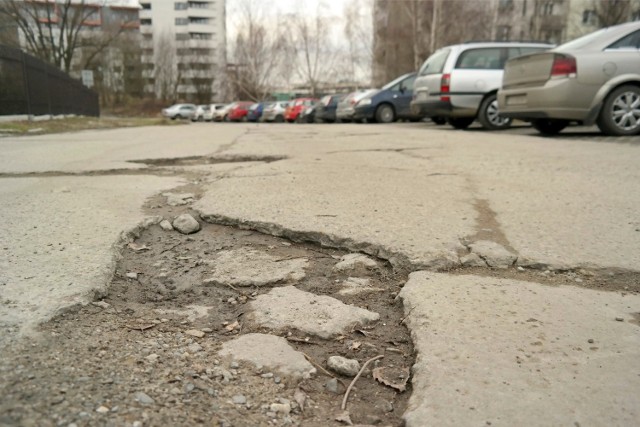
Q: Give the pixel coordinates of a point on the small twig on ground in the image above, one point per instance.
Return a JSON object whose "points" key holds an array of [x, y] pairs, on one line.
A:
{"points": [[327, 373], [346, 394], [171, 248], [407, 316], [234, 288], [300, 340], [141, 328]]}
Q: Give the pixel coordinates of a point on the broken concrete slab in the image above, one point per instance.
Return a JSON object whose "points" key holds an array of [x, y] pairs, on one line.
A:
{"points": [[472, 260], [290, 308], [356, 263], [357, 285], [250, 267], [271, 352], [509, 352], [493, 253], [178, 199]]}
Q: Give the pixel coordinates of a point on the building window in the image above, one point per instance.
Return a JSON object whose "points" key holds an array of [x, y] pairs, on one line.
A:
{"points": [[203, 21], [145, 6], [505, 4], [547, 8], [182, 21], [145, 22], [198, 5], [180, 6], [589, 17], [182, 36], [503, 33], [201, 36]]}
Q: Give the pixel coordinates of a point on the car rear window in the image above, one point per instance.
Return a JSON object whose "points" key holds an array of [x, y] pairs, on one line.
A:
{"points": [[435, 63], [631, 41], [482, 59]]}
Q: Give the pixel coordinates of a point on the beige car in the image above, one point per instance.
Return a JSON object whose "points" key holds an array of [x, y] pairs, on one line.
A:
{"points": [[594, 79]]}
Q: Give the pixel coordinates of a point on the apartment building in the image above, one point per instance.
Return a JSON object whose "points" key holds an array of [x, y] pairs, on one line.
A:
{"points": [[183, 48]]}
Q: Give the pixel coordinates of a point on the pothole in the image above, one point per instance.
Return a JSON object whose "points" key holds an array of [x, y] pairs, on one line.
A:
{"points": [[208, 160], [148, 351]]}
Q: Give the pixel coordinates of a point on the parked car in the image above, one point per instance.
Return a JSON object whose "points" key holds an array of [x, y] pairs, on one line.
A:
{"points": [[220, 114], [274, 112], [593, 79], [460, 82], [239, 111], [346, 107], [255, 112], [308, 114], [205, 112], [295, 108], [179, 111], [390, 103], [325, 110]]}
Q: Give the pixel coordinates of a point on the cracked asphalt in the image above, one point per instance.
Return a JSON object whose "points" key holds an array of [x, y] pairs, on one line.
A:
{"points": [[415, 195]]}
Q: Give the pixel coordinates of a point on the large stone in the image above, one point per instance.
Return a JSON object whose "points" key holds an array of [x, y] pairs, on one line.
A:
{"points": [[271, 352], [493, 253], [178, 199], [343, 366], [250, 267], [290, 308], [186, 224], [355, 263], [513, 353]]}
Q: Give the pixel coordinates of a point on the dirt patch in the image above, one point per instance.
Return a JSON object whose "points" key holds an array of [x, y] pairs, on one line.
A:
{"points": [[73, 124], [130, 358]]}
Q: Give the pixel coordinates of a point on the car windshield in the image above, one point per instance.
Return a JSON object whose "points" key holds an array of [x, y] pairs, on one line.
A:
{"points": [[393, 83], [435, 63]]}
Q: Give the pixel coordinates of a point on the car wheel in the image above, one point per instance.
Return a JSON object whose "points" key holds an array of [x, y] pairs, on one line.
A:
{"points": [[226, 118], [549, 126], [279, 119], [489, 117], [620, 114], [385, 114], [439, 120], [460, 122]]}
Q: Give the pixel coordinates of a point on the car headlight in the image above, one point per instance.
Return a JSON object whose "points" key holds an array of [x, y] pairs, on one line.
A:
{"points": [[363, 102]]}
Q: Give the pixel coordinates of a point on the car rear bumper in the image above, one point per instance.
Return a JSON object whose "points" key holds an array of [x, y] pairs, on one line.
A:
{"points": [[557, 99], [439, 108]]}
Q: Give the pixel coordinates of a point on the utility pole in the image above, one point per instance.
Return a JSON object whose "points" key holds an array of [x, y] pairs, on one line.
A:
{"points": [[434, 23]]}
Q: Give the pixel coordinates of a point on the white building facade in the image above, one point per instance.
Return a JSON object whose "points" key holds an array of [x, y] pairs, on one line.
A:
{"points": [[183, 48]]}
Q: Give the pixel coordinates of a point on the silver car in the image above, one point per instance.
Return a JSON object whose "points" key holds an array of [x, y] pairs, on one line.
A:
{"points": [[593, 79], [459, 83], [179, 111], [274, 111]]}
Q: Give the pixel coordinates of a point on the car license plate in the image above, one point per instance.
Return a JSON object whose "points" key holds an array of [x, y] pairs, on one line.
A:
{"points": [[517, 100]]}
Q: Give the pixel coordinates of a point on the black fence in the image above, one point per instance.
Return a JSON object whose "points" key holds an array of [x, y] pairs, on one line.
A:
{"points": [[30, 86]]}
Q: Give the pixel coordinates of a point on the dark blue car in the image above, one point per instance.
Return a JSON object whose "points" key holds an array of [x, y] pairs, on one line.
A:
{"points": [[255, 112], [326, 108], [390, 103]]}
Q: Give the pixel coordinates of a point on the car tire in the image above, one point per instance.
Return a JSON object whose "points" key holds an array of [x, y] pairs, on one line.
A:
{"points": [[385, 114], [549, 126], [460, 122], [439, 120], [279, 119], [620, 107], [488, 115]]}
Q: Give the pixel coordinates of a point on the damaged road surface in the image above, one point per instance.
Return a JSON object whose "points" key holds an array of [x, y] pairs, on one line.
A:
{"points": [[318, 276]]}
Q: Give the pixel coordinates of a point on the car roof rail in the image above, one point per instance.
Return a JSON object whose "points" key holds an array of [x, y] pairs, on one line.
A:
{"points": [[507, 41]]}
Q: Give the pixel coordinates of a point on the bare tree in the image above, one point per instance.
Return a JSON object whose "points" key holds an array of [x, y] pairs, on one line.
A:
{"points": [[258, 51], [613, 12], [317, 54], [358, 32], [52, 29], [166, 77]]}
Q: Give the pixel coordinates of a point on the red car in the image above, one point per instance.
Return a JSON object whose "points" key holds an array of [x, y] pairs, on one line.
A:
{"points": [[239, 112], [296, 106]]}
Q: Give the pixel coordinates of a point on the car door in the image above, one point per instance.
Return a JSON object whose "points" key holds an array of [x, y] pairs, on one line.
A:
{"points": [[402, 99], [477, 71]]}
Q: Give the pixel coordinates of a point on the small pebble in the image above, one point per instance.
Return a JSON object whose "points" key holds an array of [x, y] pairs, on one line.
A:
{"points": [[239, 399], [590, 340], [619, 319]]}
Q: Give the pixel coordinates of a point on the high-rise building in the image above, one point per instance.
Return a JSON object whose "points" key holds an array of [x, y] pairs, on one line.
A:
{"points": [[183, 48]]}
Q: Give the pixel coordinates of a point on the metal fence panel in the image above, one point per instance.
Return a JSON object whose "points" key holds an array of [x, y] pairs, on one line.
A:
{"points": [[30, 86]]}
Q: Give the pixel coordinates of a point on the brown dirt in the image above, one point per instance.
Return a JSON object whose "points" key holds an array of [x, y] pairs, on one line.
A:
{"points": [[91, 356]]}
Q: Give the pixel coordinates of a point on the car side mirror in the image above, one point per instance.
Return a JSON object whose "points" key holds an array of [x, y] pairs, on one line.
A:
{"points": [[402, 89]]}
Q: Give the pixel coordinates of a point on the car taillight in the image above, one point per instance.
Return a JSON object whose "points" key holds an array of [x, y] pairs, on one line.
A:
{"points": [[445, 86], [564, 66]]}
